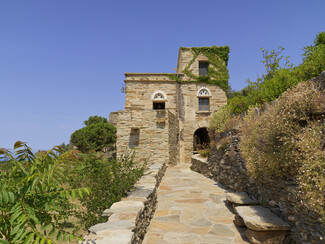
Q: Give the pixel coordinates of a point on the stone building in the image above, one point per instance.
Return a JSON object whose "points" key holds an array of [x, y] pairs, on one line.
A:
{"points": [[166, 115]]}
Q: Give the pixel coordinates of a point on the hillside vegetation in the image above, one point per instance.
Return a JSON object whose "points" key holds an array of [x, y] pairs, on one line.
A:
{"points": [[284, 140]]}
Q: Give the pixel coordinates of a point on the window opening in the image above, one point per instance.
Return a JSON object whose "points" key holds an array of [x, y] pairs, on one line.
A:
{"points": [[203, 104], [158, 105], [134, 137], [203, 68]]}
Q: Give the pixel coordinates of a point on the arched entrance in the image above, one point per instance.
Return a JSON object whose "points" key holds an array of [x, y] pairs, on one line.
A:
{"points": [[201, 139]]}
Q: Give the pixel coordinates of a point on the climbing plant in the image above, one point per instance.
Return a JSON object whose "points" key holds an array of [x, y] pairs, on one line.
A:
{"points": [[217, 69]]}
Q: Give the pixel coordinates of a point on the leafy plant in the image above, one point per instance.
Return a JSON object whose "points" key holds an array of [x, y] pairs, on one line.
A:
{"points": [[97, 134], [217, 70], [108, 180], [279, 76], [33, 198], [220, 118], [204, 152]]}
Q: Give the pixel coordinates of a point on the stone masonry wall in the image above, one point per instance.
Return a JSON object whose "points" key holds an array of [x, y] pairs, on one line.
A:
{"points": [[173, 138], [139, 93], [129, 218], [152, 126], [226, 166], [193, 118]]}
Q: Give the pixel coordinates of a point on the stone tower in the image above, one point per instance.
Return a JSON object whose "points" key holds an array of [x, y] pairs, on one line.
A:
{"points": [[166, 116]]}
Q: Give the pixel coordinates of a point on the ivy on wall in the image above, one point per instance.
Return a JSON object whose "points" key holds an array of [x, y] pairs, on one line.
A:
{"points": [[217, 69]]}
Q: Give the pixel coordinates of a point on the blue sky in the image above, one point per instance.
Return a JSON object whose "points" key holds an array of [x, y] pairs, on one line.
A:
{"points": [[62, 61]]}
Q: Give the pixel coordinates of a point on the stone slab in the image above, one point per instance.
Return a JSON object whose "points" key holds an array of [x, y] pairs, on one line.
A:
{"points": [[240, 198], [124, 206], [112, 225], [261, 219]]}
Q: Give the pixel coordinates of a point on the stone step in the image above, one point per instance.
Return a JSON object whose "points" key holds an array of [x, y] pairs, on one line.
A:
{"points": [[240, 198], [259, 218], [262, 225]]}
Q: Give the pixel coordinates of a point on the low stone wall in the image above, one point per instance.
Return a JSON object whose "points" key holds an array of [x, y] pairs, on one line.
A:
{"points": [[226, 166], [129, 218]]}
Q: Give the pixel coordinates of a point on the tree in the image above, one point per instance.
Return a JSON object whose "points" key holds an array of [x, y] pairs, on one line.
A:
{"points": [[34, 196], [97, 134]]}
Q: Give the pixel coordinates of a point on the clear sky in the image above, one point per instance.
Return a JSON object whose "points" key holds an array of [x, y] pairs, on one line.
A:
{"points": [[62, 61]]}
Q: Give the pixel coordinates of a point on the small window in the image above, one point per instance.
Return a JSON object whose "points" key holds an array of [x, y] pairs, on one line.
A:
{"points": [[158, 100], [204, 104], [134, 137], [204, 99], [203, 68], [159, 105]]}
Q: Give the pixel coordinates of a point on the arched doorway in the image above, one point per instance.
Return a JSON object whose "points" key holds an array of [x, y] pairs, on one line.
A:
{"points": [[201, 139]]}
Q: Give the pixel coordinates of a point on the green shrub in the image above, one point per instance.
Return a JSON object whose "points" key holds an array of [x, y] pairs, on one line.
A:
{"points": [[220, 118], [108, 180], [34, 197], [277, 79], [97, 134], [204, 152]]}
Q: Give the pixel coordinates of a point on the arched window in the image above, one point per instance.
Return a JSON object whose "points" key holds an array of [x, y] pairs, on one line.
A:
{"points": [[203, 99], [159, 99]]}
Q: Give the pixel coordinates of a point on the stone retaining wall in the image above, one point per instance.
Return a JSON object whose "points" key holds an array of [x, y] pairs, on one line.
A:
{"points": [[226, 166], [129, 218]]}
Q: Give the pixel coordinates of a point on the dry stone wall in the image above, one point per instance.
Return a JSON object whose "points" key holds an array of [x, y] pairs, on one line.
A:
{"points": [[226, 166], [129, 218]]}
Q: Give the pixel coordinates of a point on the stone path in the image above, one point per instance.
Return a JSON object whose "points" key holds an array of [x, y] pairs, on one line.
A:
{"points": [[191, 209]]}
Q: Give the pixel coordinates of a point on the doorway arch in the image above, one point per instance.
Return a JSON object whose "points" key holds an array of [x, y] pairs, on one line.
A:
{"points": [[201, 139]]}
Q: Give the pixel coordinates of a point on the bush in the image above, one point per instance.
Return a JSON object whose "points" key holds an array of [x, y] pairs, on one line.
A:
{"points": [[108, 180], [34, 199], [277, 79], [270, 142], [204, 152], [96, 135], [220, 118], [286, 142]]}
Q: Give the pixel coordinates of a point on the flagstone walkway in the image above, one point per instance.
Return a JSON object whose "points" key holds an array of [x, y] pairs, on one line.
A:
{"points": [[191, 209]]}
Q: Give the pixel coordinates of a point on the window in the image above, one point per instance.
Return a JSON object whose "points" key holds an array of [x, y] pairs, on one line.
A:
{"points": [[203, 68], [203, 99], [159, 105], [203, 104], [134, 137], [158, 99]]}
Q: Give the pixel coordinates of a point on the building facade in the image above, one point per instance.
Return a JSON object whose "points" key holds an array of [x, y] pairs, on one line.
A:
{"points": [[166, 116]]}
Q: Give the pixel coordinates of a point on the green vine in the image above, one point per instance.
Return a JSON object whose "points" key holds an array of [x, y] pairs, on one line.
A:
{"points": [[217, 70]]}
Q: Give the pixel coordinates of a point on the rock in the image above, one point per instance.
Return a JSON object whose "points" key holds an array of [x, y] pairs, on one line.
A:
{"points": [[124, 206], [112, 225], [239, 221], [266, 237], [240, 198], [261, 219], [272, 203], [141, 193]]}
